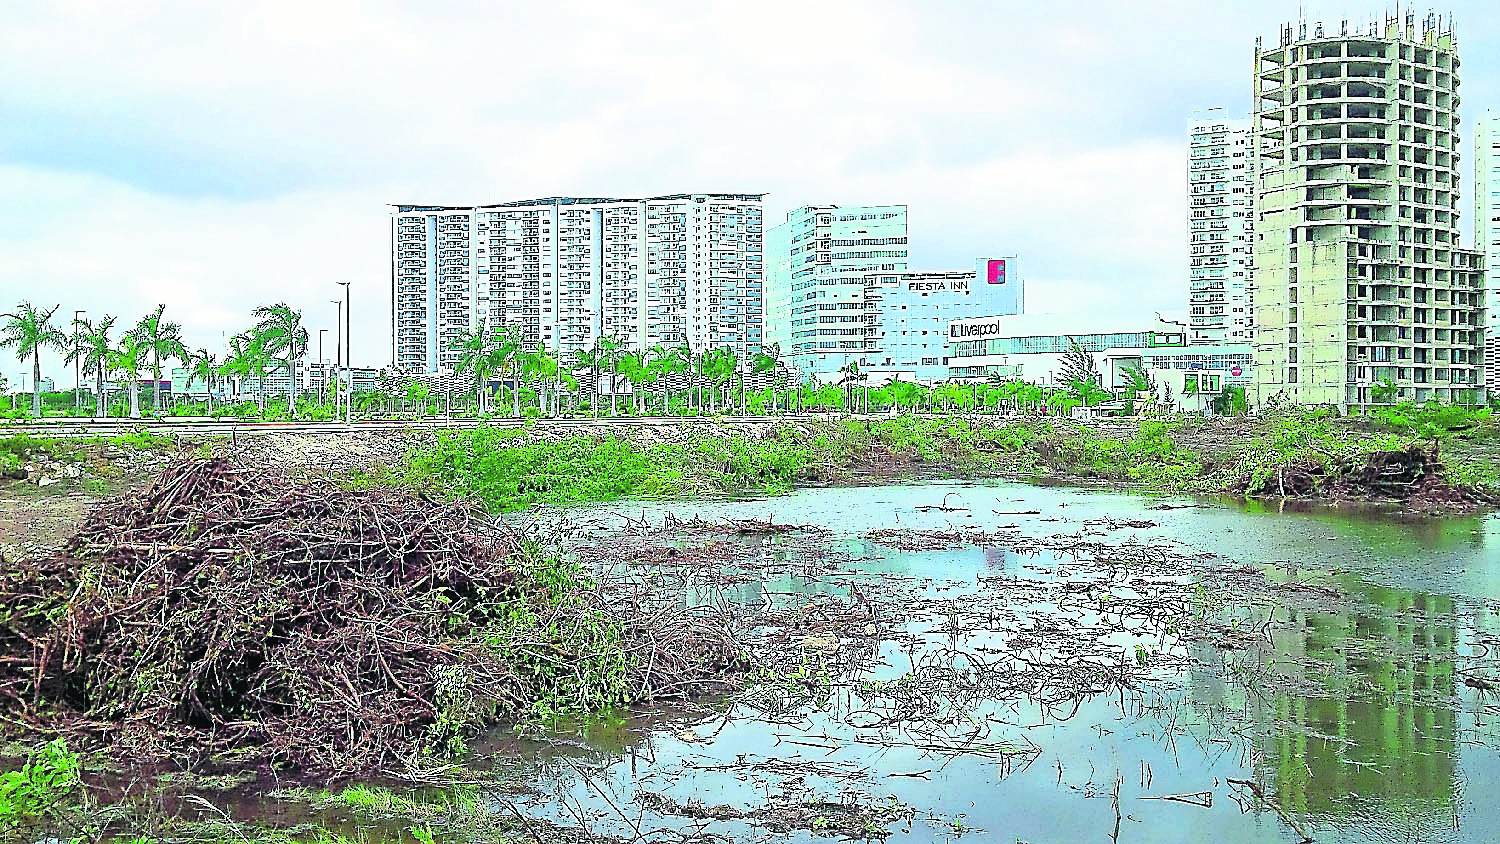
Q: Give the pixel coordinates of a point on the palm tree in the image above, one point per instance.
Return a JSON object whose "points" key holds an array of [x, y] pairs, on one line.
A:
{"points": [[31, 331], [1141, 385], [850, 371], [260, 362], [127, 359], [660, 360], [203, 365], [504, 357], [633, 366], [610, 350], [694, 364], [91, 349], [247, 357], [236, 363], [162, 340], [767, 359], [718, 366], [590, 360], [475, 350], [285, 335], [543, 367]]}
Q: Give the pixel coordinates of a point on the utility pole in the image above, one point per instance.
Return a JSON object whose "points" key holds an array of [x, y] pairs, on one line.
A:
{"points": [[348, 352], [338, 351], [322, 361], [77, 372]]}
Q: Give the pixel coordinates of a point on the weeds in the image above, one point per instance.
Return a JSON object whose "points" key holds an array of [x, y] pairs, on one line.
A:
{"points": [[42, 792], [1434, 421], [18, 449], [506, 470]]}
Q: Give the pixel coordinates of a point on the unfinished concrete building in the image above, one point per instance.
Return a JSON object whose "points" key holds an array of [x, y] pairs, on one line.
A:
{"points": [[1363, 293]]}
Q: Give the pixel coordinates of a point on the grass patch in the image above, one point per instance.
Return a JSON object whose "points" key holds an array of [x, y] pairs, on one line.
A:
{"points": [[499, 468], [21, 447], [506, 471]]}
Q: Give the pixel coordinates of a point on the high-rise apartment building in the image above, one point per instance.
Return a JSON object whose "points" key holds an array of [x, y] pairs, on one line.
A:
{"points": [[1363, 294], [838, 291], [824, 267], [1487, 237], [1221, 194], [566, 272]]}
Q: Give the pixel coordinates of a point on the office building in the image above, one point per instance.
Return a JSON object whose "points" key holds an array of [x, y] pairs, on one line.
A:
{"points": [[1221, 194], [1487, 238], [566, 272], [1032, 347], [839, 291], [1363, 294]]}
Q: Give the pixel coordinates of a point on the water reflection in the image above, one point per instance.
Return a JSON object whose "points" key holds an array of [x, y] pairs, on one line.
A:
{"points": [[1358, 716]]}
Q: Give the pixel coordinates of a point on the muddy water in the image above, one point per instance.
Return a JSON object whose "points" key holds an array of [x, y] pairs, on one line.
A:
{"points": [[1348, 701]]}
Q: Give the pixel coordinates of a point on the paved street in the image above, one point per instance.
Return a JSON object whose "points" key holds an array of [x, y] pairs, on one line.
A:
{"points": [[210, 427]]}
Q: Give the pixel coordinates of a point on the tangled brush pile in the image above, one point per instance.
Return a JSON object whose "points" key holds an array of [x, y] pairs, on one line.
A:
{"points": [[227, 609]]}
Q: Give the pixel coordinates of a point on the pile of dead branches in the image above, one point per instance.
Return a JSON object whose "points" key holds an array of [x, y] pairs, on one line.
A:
{"points": [[227, 609], [1414, 474]]}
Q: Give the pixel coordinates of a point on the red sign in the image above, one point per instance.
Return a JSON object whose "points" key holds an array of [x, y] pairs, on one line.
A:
{"points": [[995, 272], [1235, 371]]}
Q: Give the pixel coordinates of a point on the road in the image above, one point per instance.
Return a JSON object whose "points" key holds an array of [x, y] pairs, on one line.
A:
{"points": [[206, 427]]}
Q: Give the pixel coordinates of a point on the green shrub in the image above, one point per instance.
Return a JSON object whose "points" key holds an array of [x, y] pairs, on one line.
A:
{"points": [[1435, 421], [42, 791]]}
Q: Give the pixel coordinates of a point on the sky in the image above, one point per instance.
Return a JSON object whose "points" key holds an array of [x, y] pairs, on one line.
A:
{"points": [[219, 156]]}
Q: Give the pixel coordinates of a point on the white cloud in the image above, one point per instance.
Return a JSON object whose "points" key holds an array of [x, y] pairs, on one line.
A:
{"points": [[221, 156], [109, 248]]}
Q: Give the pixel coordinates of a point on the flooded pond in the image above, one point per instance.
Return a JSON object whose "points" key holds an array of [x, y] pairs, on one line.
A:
{"points": [[1034, 664]]}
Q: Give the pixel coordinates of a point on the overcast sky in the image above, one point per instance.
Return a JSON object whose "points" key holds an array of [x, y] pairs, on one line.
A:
{"points": [[217, 156]]}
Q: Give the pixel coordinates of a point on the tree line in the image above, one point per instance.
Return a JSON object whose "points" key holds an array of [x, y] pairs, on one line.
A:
{"points": [[500, 351], [662, 379], [276, 341]]}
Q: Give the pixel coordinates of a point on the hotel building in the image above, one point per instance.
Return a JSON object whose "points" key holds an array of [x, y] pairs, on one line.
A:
{"points": [[839, 291]]}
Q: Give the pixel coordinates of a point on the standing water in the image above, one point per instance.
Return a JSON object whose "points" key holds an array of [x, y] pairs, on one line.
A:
{"points": [[1032, 664]]}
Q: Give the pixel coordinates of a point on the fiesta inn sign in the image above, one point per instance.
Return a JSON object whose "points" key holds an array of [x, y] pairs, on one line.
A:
{"points": [[956, 285]]}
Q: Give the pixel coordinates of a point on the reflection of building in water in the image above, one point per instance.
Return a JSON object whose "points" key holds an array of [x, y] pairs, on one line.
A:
{"points": [[1382, 728], [1358, 708]]}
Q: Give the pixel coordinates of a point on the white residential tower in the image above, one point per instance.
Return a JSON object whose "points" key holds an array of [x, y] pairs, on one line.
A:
{"points": [[1487, 237], [566, 272], [1221, 194]]}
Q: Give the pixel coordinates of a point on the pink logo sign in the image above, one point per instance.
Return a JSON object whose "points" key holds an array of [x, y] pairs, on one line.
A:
{"points": [[995, 272], [1236, 371]]}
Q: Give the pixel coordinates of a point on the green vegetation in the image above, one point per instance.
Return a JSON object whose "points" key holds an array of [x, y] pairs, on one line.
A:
{"points": [[506, 472], [30, 331], [18, 448], [42, 793], [276, 343], [46, 799], [427, 815], [1433, 421], [507, 469], [1150, 458]]}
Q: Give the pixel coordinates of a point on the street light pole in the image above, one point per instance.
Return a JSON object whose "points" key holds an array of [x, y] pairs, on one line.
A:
{"points": [[77, 372], [322, 362], [338, 350], [348, 350]]}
